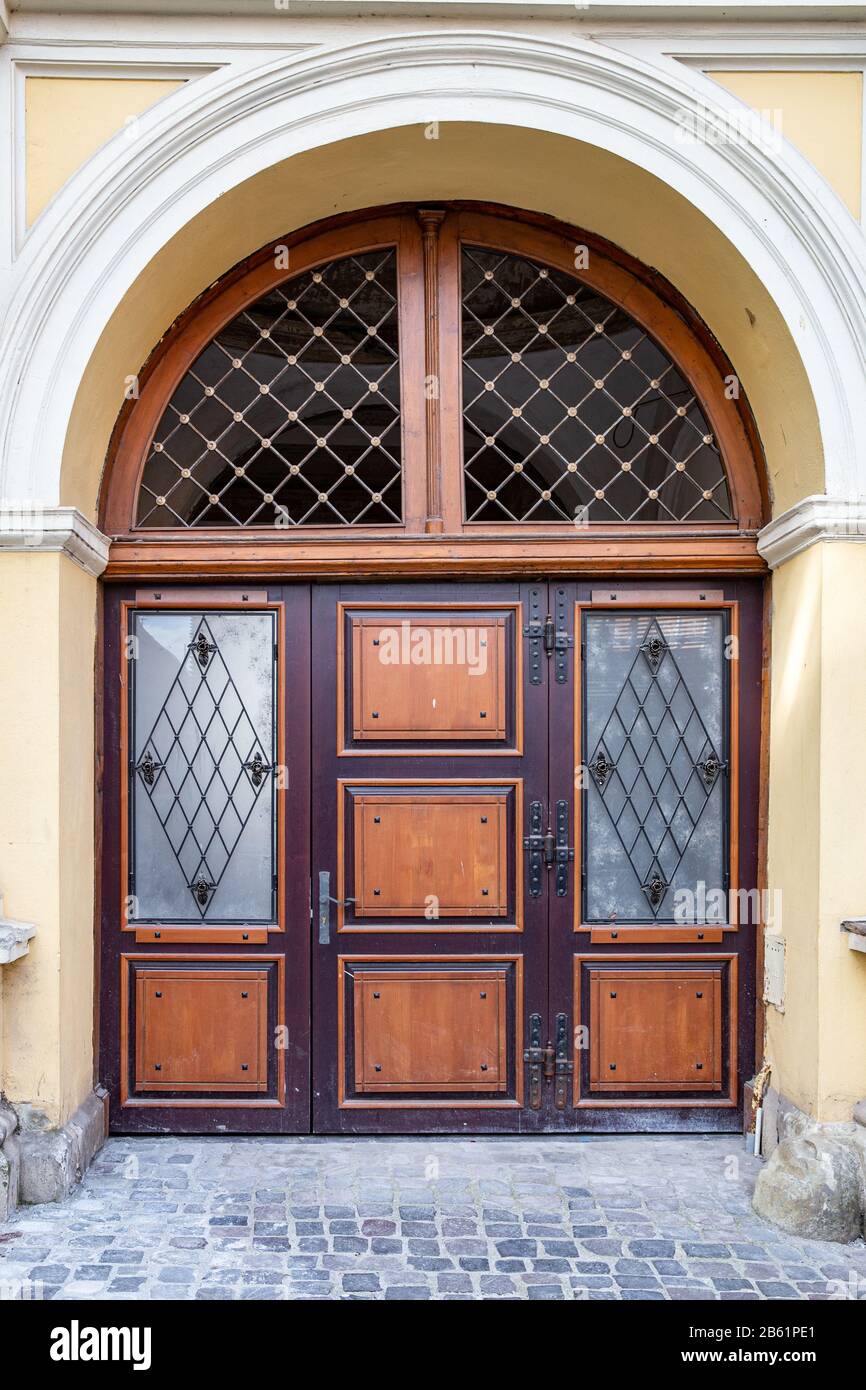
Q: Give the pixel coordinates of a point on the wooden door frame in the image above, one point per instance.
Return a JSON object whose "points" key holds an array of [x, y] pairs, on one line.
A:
{"points": [[749, 601], [119, 949], [418, 550], [104, 872]]}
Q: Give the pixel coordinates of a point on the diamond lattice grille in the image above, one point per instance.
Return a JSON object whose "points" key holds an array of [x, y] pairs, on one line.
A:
{"points": [[570, 410], [655, 766], [291, 414], [203, 768]]}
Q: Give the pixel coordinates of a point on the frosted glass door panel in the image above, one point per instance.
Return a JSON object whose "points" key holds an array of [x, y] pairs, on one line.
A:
{"points": [[655, 740], [202, 794]]}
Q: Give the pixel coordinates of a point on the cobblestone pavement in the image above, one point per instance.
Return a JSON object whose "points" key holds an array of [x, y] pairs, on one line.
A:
{"points": [[625, 1218]]}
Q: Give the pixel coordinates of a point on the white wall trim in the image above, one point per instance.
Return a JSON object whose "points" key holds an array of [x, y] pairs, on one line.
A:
{"points": [[33, 528], [111, 218], [814, 519]]}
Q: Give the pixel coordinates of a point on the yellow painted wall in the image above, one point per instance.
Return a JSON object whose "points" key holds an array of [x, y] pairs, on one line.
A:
{"points": [[47, 636], [570, 180], [820, 112], [817, 1048], [842, 972], [67, 119], [793, 852]]}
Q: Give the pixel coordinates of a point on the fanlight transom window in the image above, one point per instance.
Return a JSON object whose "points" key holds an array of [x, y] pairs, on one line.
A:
{"points": [[570, 409], [428, 382], [291, 415]]}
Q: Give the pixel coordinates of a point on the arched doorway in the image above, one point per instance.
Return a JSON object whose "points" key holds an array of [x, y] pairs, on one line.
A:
{"points": [[431, 776]]}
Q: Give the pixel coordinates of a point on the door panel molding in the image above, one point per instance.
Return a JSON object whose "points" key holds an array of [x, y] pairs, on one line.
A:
{"points": [[503, 705], [499, 975], [358, 802], [195, 1029], [717, 974]]}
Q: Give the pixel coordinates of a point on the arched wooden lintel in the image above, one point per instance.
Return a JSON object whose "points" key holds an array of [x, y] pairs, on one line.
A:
{"points": [[433, 539]]}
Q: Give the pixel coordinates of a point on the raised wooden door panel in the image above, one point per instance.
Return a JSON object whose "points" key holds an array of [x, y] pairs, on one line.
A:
{"points": [[423, 678], [201, 1030], [418, 1031], [657, 1027], [430, 1030], [658, 1033], [417, 852], [431, 854]]}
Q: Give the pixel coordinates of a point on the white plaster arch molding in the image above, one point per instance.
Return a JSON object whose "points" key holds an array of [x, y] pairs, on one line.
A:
{"points": [[115, 214]]}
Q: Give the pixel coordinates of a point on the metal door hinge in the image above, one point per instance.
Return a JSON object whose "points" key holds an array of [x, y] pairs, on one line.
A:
{"points": [[534, 843], [563, 1065], [549, 635], [564, 852], [548, 847], [534, 1056], [548, 1063], [534, 630]]}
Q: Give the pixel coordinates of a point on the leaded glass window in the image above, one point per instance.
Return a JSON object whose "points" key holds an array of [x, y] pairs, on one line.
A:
{"points": [[202, 786], [571, 411], [655, 740], [291, 414]]}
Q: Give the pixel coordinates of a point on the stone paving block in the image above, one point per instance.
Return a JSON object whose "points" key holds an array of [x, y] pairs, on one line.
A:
{"points": [[575, 1218]]}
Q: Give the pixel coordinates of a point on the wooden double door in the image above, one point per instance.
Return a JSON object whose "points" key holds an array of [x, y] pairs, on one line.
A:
{"points": [[454, 857]]}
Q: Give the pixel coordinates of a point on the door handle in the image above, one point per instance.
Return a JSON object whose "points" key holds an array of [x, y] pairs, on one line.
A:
{"points": [[325, 901]]}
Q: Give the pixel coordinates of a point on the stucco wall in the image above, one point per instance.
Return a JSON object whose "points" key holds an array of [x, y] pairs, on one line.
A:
{"points": [[47, 635], [815, 852], [67, 119], [819, 112]]}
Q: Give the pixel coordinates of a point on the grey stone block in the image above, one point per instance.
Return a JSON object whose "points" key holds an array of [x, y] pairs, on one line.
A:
{"points": [[54, 1160], [811, 1187], [10, 1161]]}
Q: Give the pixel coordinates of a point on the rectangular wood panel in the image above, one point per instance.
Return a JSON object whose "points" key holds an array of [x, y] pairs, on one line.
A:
{"points": [[656, 1029], [440, 676], [201, 1030], [431, 855], [420, 1030]]}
